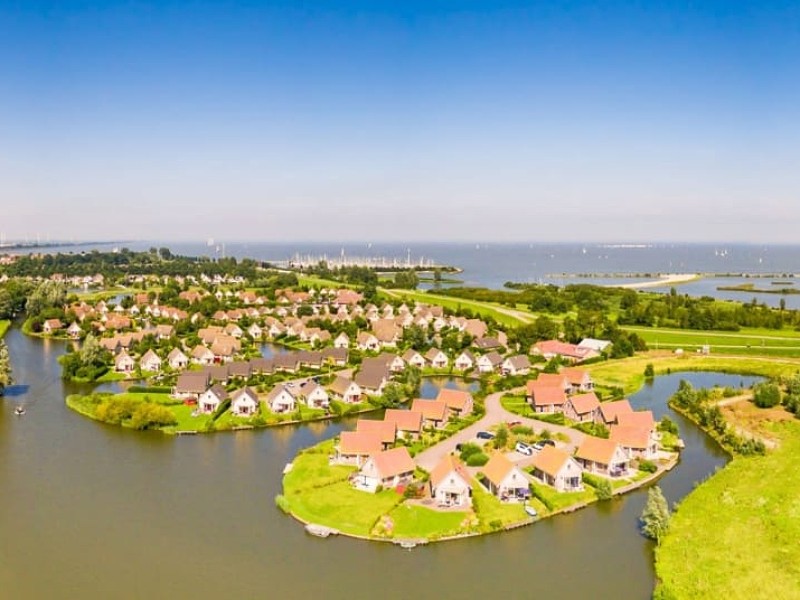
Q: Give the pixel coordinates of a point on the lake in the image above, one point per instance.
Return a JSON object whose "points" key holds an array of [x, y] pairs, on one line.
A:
{"points": [[94, 511]]}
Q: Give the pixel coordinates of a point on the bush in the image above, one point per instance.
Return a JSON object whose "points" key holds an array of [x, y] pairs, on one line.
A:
{"points": [[477, 460], [766, 395], [667, 425], [648, 466], [595, 429], [148, 415], [554, 418], [152, 389], [601, 485], [649, 371], [522, 430], [468, 450]]}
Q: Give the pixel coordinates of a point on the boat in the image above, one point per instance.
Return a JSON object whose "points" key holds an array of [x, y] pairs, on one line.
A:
{"points": [[408, 544], [531, 511], [320, 530], [19, 411]]}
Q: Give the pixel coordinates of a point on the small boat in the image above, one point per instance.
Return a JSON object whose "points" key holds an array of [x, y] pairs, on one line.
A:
{"points": [[19, 411], [531, 511], [408, 544], [320, 530]]}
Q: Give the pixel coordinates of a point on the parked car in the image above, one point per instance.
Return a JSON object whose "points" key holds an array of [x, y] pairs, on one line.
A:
{"points": [[523, 448], [484, 435], [542, 443], [511, 424]]}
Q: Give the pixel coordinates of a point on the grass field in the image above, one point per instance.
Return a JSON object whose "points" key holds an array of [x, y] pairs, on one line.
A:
{"points": [[762, 342], [491, 510], [560, 501], [503, 315], [628, 373], [4, 326], [735, 536], [415, 522]]}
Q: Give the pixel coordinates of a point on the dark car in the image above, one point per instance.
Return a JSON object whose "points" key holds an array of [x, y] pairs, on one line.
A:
{"points": [[484, 435], [542, 443]]}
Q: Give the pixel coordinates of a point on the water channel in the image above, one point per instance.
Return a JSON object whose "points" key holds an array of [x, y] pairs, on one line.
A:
{"points": [[93, 511]]}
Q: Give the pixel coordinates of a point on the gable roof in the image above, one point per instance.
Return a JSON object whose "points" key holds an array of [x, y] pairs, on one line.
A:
{"points": [[435, 410], [547, 395], [277, 390], [551, 460], [359, 442], [192, 383], [584, 403], [597, 450], [643, 419], [385, 430], [455, 399], [405, 420], [390, 463], [630, 436], [612, 410], [497, 468], [340, 385], [245, 391], [576, 376], [447, 465]]}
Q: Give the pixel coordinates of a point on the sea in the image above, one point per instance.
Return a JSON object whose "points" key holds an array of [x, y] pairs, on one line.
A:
{"points": [[493, 264]]}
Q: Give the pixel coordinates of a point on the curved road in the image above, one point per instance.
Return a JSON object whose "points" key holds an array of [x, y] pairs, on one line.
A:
{"points": [[496, 414]]}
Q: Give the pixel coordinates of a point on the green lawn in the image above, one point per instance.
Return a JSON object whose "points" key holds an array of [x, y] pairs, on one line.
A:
{"points": [[4, 326], [559, 501], [518, 405], [311, 469], [628, 373], [735, 536], [416, 522], [485, 309], [761, 342], [491, 510]]}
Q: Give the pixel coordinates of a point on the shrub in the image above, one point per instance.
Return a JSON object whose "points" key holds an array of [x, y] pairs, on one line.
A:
{"points": [[152, 389], [648, 466], [149, 415], [595, 429], [766, 395], [655, 517], [282, 503], [667, 425], [649, 371], [522, 430], [477, 460], [601, 485], [468, 450]]}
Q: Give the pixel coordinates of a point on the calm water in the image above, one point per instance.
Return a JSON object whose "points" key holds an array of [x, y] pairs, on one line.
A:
{"points": [[93, 511], [493, 264]]}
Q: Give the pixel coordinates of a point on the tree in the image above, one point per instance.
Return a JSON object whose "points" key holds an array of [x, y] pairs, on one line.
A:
{"points": [[5, 368], [766, 395], [655, 517], [649, 371], [501, 437]]}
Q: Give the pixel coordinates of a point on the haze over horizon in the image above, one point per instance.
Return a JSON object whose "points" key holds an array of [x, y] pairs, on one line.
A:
{"points": [[473, 121]]}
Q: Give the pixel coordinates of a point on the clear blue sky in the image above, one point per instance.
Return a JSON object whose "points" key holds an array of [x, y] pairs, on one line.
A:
{"points": [[408, 120]]}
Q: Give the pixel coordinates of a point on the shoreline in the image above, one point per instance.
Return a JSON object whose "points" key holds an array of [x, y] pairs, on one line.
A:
{"points": [[666, 280]]}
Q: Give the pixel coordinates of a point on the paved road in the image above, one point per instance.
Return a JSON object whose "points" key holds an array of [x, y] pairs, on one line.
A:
{"points": [[495, 414]]}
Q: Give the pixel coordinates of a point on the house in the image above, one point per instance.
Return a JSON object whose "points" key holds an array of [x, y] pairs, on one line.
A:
{"points": [[281, 400], [217, 373], [202, 355], [51, 326], [336, 356], [476, 328], [414, 358], [584, 408], [150, 362], [255, 331], [642, 419], [177, 359], [598, 346], [190, 385], [603, 457], [546, 399], [637, 442], [579, 380], [372, 377], [553, 380], [341, 341], [489, 363], [610, 411], [437, 359], [386, 469], [450, 483], [459, 403], [516, 365], [556, 468], [366, 342], [346, 390], [465, 361], [355, 447], [73, 331], [239, 369], [504, 479], [407, 422], [314, 395], [123, 363], [551, 348], [387, 332], [385, 430], [164, 332], [210, 400], [244, 402], [434, 412], [488, 343]]}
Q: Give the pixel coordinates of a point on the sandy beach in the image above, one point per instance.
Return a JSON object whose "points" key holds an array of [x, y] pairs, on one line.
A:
{"points": [[668, 279]]}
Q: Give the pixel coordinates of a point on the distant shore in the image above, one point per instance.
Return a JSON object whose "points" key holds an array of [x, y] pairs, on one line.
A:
{"points": [[667, 279]]}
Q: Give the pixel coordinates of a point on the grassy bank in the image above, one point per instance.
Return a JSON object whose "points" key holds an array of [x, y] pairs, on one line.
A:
{"points": [[4, 327], [736, 535], [748, 341], [628, 373], [505, 316]]}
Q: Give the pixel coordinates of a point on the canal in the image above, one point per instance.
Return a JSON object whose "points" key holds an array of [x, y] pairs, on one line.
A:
{"points": [[94, 511]]}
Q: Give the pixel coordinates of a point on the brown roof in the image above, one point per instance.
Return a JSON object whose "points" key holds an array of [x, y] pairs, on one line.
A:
{"points": [[585, 403], [551, 379], [359, 442], [340, 385], [393, 462], [547, 395], [406, 420], [596, 450], [456, 399], [497, 468], [434, 410], [612, 410], [550, 460], [629, 436], [446, 466], [576, 376], [385, 430], [643, 419], [192, 383]]}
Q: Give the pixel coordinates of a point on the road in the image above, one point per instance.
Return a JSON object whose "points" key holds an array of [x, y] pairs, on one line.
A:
{"points": [[496, 414]]}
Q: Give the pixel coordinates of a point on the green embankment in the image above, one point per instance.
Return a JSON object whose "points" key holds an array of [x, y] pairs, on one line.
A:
{"points": [[750, 341], [4, 327], [505, 316], [735, 536]]}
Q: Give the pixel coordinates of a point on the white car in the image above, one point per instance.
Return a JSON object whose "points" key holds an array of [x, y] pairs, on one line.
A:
{"points": [[524, 448]]}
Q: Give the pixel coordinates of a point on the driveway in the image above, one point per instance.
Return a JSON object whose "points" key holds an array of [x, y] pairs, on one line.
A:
{"points": [[496, 414]]}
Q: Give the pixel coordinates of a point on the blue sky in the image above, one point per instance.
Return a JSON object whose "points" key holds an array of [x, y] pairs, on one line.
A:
{"points": [[523, 121]]}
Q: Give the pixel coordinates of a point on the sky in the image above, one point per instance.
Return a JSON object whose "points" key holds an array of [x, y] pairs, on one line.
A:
{"points": [[400, 121]]}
